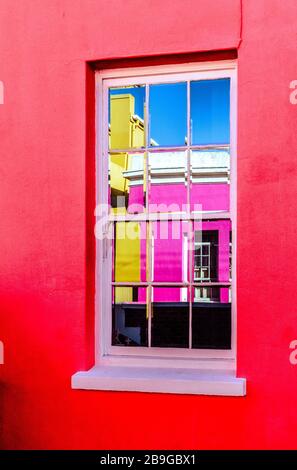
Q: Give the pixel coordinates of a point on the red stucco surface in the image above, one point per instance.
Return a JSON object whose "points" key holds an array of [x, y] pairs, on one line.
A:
{"points": [[46, 253]]}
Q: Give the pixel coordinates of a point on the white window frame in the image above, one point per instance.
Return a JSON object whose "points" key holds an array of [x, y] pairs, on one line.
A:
{"points": [[118, 359]]}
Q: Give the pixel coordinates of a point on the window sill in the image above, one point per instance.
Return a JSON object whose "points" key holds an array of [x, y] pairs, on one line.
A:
{"points": [[160, 380]]}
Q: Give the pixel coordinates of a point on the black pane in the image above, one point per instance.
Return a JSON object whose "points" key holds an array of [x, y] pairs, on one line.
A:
{"points": [[168, 114], [211, 325]]}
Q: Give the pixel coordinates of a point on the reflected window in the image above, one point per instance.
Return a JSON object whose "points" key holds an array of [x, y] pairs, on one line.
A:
{"points": [[170, 318], [210, 111]]}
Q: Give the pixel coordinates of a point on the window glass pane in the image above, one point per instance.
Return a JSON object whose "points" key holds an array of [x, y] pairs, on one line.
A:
{"points": [[210, 180], [167, 182], [126, 183], [126, 117], [129, 252], [206, 255], [168, 114], [170, 318], [129, 316], [170, 251], [211, 318], [210, 110], [212, 260]]}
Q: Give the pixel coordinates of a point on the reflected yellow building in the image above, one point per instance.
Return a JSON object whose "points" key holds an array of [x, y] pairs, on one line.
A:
{"points": [[126, 131]]}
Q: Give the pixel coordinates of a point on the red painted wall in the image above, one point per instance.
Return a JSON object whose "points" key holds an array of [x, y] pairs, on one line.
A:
{"points": [[47, 165]]}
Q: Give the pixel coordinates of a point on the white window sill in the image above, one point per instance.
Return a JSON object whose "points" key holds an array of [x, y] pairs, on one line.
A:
{"points": [[1, 353], [160, 380]]}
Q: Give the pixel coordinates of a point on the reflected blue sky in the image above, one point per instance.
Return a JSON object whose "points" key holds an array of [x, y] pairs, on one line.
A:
{"points": [[210, 111], [168, 113]]}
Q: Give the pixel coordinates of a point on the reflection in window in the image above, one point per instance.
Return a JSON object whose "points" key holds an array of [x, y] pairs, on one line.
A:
{"points": [[168, 114], [129, 252], [210, 179], [126, 117], [210, 111], [126, 182], [207, 294], [211, 323], [206, 256], [170, 318], [171, 276], [130, 318], [169, 251]]}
